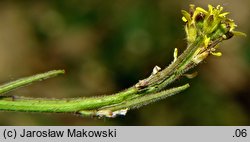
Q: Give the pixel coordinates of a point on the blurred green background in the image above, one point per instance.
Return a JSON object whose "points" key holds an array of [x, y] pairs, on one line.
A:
{"points": [[107, 46]]}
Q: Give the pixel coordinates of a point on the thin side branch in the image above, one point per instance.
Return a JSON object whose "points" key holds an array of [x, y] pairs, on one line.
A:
{"points": [[28, 80]]}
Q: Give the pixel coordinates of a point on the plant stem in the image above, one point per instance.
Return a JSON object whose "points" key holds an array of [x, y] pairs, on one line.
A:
{"points": [[204, 29], [145, 91], [28, 80], [74, 105], [130, 98]]}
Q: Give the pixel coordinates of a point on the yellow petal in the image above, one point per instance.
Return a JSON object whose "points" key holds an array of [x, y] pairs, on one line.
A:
{"points": [[186, 15], [201, 10], [206, 41], [224, 14], [184, 19], [218, 54], [175, 54], [210, 8]]}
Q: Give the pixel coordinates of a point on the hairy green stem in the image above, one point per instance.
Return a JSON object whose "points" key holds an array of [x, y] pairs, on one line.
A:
{"points": [[15, 103], [73, 105], [204, 29], [28, 80], [147, 99], [131, 98]]}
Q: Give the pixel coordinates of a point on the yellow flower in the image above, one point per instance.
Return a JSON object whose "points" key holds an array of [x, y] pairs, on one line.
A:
{"points": [[211, 25]]}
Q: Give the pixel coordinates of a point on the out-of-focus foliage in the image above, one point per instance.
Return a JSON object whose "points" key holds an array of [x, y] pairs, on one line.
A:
{"points": [[107, 46]]}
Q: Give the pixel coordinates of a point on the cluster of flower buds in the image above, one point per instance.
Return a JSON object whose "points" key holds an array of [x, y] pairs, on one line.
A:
{"points": [[212, 25]]}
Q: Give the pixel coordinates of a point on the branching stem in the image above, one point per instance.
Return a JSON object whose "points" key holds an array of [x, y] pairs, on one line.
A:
{"points": [[204, 29]]}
